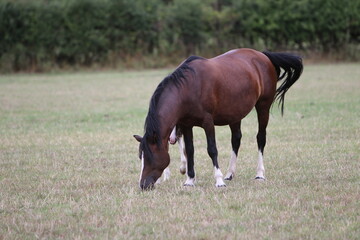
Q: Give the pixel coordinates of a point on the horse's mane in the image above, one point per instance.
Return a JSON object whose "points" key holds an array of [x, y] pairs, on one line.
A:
{"points": [[152, 126]]}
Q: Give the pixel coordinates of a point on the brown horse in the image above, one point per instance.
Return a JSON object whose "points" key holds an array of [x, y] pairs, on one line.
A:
{"points": [[208, 92]]}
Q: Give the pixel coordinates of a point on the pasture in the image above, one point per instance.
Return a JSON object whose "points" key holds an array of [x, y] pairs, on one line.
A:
{"points": [[69, 165]]}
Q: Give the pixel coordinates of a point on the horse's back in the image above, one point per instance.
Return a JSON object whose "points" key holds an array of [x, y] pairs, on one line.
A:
{"points": [[232, 83], [259, 66]]}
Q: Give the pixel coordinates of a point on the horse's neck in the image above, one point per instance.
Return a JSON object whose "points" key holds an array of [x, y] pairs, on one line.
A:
{"points": [[169, 114]]}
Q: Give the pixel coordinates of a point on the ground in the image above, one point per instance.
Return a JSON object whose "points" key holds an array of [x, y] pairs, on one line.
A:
{"points": [[69, 165]]}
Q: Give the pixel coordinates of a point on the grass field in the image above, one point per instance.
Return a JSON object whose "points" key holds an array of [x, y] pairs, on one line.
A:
{"points": [[69, 167]]}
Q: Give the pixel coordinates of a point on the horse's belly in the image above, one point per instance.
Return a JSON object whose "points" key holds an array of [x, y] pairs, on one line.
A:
{"points": [[234, 104], [225, 119]]}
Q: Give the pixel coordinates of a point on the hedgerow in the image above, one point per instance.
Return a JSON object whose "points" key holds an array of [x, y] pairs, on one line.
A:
{"points": [[38, 35]]}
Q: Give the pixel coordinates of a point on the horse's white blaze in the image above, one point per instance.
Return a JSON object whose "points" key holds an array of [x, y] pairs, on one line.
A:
{"points": [[183, 161], [260, 170], [219, 178], [232, 165], [190, 182], [172, 137], [142, 165]]}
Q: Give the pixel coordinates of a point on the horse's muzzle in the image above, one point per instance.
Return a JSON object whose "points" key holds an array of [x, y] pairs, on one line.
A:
{"points": [[147, 183]]}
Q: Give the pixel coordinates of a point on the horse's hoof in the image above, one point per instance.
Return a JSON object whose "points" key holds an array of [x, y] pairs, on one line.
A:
{"points": [[220, 183], [228, 177], [182, 171], [190, 182], [260, 178], [188, 185], [221, 186]]}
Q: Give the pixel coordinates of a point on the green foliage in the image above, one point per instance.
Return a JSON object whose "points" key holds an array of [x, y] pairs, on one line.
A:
{"points": [[37, 35], [186, 20]]}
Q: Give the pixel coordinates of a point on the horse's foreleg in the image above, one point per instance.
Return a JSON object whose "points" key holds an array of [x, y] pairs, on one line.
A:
{"points": [[172, 138], [176, 136], [166, 173], [189, 148], [213, 153], [235, 143], [263, 119], [165, 176]]}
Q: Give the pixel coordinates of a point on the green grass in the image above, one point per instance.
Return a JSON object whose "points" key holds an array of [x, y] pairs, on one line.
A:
{"points": [[69, 166]]}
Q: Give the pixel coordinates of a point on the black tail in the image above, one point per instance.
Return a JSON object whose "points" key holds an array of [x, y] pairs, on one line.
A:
{"points": [[292, 66]]}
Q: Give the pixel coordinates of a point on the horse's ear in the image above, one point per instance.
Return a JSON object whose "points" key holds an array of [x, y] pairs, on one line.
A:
{"points": [[138, 138]]}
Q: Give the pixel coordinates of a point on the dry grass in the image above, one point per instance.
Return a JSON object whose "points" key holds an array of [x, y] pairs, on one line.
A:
{"points": [[69, 166]]}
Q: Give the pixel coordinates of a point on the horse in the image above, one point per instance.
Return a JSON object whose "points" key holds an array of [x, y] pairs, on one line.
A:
{"points": [[217, 91]]}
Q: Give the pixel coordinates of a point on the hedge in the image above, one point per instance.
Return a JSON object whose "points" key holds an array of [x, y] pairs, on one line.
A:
{"points": [[39, 35]]}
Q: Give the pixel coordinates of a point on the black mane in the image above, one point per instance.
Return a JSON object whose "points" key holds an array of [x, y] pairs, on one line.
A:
{"points": [[151, 128]]}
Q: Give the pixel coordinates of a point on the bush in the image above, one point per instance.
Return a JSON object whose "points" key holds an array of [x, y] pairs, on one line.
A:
{"points": [[42, 34]]}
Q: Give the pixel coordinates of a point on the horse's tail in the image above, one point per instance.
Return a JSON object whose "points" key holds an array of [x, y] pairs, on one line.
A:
{"points": [[292, 67]]}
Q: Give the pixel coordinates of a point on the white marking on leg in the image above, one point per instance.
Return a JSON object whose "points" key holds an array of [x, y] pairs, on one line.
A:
{"points": [[172, 138], [158, 181], [190, 182], [166, 174], [183, 161], [260, 170], [232, 165], [219, 178], [142, 165]]}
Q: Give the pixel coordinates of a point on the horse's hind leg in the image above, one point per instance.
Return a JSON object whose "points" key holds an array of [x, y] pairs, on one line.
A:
{"points": [[235, 143], [183, 160], [262, 110]]}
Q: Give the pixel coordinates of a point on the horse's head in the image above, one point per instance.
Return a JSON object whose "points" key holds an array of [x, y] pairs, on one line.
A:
{"points": [[154, 159]]}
